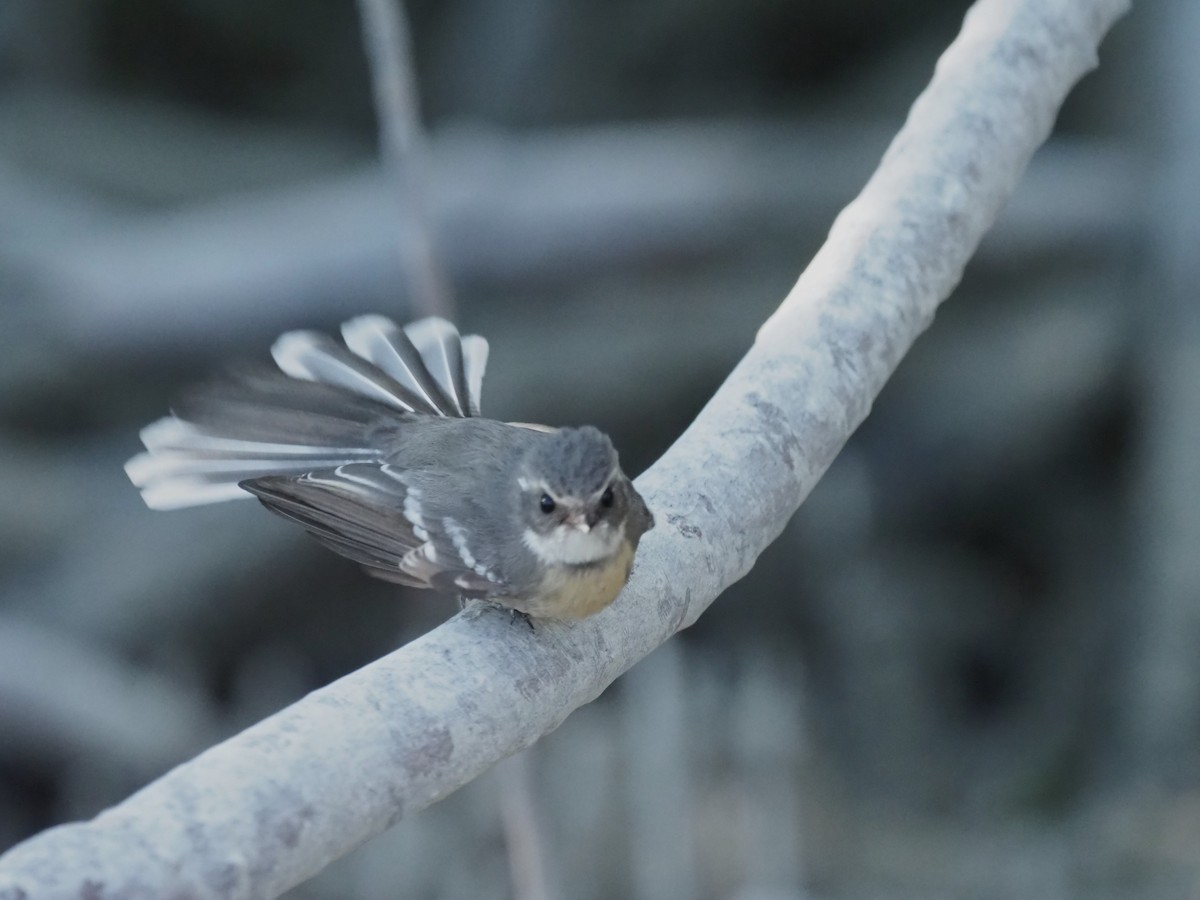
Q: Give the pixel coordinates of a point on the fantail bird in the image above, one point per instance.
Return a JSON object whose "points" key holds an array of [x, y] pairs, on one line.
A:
{"points": [[378, 450]]}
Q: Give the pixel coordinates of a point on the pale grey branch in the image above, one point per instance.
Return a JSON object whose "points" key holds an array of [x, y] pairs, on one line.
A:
{"points": [[263, 811]]}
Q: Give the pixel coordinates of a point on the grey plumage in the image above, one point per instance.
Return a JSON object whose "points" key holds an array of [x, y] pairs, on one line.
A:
{"points": [[582, 459], [376, 448]]}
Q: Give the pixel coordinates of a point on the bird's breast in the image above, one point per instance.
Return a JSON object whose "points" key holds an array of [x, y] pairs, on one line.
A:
{"points": [[575, 592]]}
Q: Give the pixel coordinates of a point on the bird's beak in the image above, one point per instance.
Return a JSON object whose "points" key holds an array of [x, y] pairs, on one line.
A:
{"points": [[579, 520]]}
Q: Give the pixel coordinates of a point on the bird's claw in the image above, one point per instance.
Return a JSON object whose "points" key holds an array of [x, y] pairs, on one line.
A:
{"points": [[472, 609]]}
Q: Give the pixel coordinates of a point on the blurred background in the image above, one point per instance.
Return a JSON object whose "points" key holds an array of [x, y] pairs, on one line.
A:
{"points": [[970, 666]]}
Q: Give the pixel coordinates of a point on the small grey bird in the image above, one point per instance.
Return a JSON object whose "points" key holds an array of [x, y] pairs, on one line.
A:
{"points": [[378, 450]]}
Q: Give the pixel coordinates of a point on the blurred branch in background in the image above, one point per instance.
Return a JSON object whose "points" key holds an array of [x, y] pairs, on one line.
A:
{"points": [[270, 807], [58, 693], [661, 783], [522, 830], [504, 207], [402, 140], [1161, 702]]}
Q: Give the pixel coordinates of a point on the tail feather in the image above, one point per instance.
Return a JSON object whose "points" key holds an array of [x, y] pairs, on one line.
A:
{"points": [[441, 351], [270, 407], [179, 493], [319, 412], [475, 357], [171, 434], [309, 356], [423, 357]]}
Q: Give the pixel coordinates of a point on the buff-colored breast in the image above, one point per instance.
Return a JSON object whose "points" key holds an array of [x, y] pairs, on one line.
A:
{"points": [[576, 593]]}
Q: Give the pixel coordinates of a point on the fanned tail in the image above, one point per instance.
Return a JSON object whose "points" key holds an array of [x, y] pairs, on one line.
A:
{"points": [[318, 412]]}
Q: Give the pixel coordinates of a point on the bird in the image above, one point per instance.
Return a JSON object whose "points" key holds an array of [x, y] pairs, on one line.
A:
{"points": [[376, 447]]}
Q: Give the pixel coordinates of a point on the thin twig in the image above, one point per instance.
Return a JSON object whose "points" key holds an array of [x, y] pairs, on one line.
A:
{"points": [[270, 807], [522, 831], [388, 44]]}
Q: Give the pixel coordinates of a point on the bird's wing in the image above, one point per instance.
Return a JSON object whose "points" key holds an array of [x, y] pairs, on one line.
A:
{"points": [[376, 515]]}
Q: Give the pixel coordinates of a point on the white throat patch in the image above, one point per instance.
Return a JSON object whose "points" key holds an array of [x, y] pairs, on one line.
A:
{"points": [[568, 546]]}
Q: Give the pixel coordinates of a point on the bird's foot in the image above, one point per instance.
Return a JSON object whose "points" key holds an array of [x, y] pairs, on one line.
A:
{"points": [[473, 608]]}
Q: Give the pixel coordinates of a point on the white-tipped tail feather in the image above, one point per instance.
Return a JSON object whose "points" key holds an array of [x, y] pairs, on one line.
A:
{"points": [[280, 426], [309, 356], [380, 342], [437, 341], [183, 466], [475, 357]]}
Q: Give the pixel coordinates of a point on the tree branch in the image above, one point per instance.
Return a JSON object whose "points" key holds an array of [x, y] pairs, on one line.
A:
{"points": [[268, 808]]}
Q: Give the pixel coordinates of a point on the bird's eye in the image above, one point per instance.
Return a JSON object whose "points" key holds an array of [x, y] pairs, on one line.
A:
{"points": [[547, 504], [606, 499]]}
